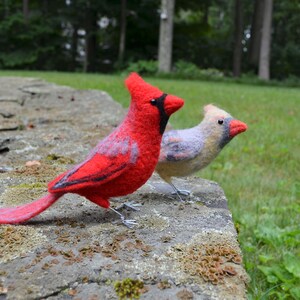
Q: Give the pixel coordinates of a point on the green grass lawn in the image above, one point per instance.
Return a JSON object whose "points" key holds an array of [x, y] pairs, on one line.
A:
{"points": [[258, 170]]}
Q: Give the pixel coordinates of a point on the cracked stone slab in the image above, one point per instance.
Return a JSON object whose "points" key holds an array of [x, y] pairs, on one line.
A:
{"points": [[50, 115], [77, 250]]}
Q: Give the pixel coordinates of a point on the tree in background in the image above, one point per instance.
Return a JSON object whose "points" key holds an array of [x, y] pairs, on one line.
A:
{"points": [[91, 43], [204, 33], [238, 37], [285, 55], [166, 36], [123, 23], [86, 35], [265, 44], [142, 30], [29, 38], [256, 26], [25, 10]]}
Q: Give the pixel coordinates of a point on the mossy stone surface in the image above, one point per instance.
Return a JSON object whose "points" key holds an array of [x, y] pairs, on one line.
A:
{"points": [[78, 250]]}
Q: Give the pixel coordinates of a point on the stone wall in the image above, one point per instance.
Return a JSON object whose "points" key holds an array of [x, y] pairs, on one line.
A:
{"points": [[77, 250]]}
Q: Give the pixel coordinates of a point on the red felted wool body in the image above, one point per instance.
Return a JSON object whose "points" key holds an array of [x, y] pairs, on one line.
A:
{"points": [[120, 163]]}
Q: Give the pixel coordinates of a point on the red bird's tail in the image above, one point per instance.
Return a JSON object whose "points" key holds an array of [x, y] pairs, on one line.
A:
{"points": [[22, 213]]}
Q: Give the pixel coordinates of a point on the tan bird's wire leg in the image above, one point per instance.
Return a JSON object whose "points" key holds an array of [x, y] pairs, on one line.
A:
{"points": [[179, 192]]}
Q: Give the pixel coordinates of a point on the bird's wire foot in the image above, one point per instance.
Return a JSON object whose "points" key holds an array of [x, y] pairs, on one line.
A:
{"points": [[182, 192], [179, 193], [131, 205], [128, 223]]}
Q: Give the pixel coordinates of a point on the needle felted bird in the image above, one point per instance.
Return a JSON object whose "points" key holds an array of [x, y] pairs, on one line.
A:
{"points": [[184, 152], [120, 163]]}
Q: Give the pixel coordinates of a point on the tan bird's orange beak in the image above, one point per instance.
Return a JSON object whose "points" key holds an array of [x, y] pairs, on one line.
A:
{"points": [[236, 127]]}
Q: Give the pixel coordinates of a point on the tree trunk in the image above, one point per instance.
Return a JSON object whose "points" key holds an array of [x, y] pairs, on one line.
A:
{"points": [[264, 55], [122, 31], [238, 37], [45, 7], [74, 45], [25, 10], [166, 36], [256, 27], [90, 41], [205, 14], [5, 8]]}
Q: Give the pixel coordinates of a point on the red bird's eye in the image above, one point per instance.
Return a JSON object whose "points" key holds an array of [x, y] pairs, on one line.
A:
{"points": [[153, 102], [220, 122]]}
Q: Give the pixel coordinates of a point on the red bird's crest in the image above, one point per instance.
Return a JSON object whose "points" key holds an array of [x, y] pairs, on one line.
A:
{"points": [[140, 90]]}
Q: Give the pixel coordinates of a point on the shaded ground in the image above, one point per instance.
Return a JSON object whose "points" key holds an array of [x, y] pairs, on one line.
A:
{"points": [[76, 250]]}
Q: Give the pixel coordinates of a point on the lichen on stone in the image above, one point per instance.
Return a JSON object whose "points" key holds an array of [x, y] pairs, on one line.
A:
{"points": [[155, 222], [212, 261], [129, 288], [18, 240], [43, 172], [60, 159], [21, 195], [34, 185], [29, 183], [185, 295]]}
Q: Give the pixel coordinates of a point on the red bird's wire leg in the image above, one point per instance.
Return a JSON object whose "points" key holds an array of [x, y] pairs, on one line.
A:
{"points": [[92, 196], [131, 205], [126, 222]]}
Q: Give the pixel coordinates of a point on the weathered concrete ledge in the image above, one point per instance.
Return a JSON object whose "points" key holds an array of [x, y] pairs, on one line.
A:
{"points": [[76, 250]]}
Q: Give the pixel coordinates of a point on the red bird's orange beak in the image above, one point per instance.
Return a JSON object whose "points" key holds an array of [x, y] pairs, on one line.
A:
{"points": [[172, 104], [236, 127]]}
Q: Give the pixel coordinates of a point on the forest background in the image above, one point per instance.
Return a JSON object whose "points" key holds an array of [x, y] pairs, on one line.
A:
{"points": [[208, 39], [201, 51]]}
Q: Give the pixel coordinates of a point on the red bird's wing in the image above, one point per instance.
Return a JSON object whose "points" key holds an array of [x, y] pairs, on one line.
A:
{"points": [[107, 161]]}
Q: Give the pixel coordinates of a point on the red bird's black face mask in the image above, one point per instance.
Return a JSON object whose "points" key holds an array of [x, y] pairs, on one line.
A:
{"points": [[167, 105], [164, 118]]}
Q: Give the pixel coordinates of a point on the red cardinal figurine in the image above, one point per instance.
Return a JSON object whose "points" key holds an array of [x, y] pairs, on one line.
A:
{"points": [[120, 163]]}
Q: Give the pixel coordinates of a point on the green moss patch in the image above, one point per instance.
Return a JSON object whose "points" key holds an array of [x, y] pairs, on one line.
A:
{"points": [[129, 288], [60, 159], [21, 195]]}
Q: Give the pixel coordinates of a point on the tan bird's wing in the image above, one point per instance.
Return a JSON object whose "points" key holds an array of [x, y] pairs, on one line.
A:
{"points": [[178, 145]]}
